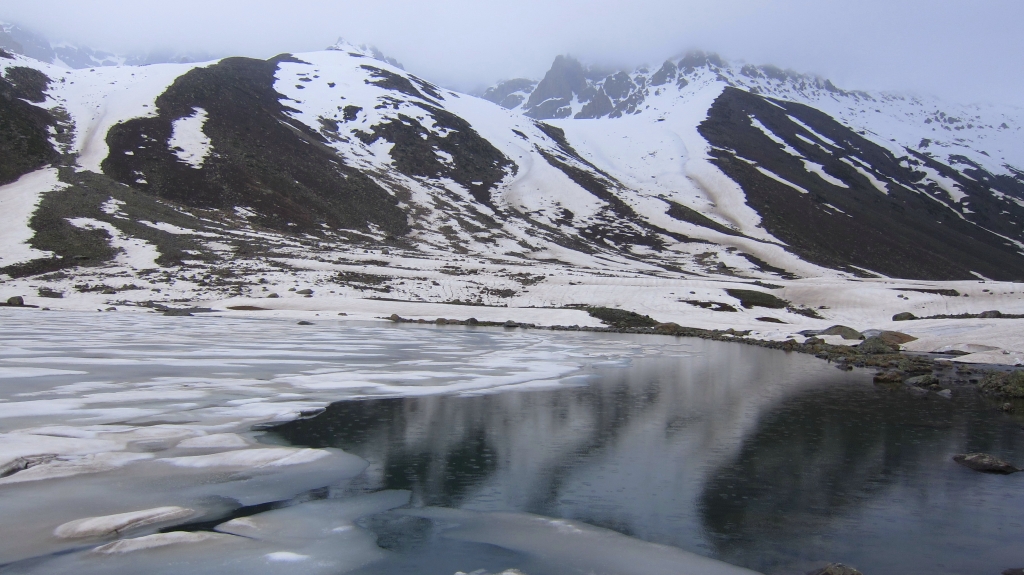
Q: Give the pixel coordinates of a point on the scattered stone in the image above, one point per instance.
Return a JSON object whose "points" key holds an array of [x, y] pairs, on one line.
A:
{"points": [[1007, 407], [836, 569], [272, 295], [304, 322], [947, 393], [842, 331], [1004, 384], [904, 316], [472, 321], [16, 301], [441, 321], [50, 293], [342, 313], [990, 314], [984, 463], [891, 376], [396, 318], [510, 323], [876, 345], [923, 380], [769, 319], [305, 292]]}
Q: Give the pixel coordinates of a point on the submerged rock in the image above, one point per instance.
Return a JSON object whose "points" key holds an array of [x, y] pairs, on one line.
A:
{"points": [[304, 322], [891, 376], [923, 381], [985, 463], [836, 569]]}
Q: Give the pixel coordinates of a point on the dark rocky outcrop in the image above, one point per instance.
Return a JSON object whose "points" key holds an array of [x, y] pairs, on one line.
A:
{"points": [[264, 160], [24, 128], [552, 96]]}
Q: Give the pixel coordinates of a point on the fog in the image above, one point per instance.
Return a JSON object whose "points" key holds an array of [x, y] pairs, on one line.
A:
{"points": [[967, 51]]}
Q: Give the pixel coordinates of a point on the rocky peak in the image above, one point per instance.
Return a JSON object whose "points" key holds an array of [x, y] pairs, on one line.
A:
{"points": [[553, 96]]}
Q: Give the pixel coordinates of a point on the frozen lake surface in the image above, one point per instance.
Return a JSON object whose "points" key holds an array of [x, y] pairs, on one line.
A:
{"points": [[137, 443]]}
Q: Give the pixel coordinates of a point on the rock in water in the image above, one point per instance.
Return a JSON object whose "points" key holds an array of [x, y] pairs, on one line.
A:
{"points": [[16, 301], [905, 316], [923, 380], [836, 569], [984, 463], [874, 345]]}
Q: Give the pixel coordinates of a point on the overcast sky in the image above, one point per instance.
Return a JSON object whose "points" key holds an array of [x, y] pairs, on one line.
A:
{"points": [[962, 50]]}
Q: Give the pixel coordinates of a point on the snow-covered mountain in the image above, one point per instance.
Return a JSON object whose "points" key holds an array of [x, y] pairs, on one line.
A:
{"points": [[338, 169]]}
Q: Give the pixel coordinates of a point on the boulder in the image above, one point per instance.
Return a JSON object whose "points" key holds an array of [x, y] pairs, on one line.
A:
{"points": [[896, 337], [305, 292], [842, 331], [304, 322], [836, 569], [876, 345], [984, 463], [668, 328], [272, 295], [904, 316], [510, 323], [396, 318], [990, 314], [472, 321], [16, 301]]}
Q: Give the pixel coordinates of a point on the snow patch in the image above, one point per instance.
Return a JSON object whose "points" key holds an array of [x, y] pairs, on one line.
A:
{"points": [[18, 201], [188, 141]]}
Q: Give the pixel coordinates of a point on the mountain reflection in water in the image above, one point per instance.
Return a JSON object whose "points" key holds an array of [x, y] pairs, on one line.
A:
{"points": [[776, 462]]}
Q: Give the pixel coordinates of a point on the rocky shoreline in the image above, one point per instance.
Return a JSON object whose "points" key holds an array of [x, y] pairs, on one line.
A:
{"points": [[922, 374]]}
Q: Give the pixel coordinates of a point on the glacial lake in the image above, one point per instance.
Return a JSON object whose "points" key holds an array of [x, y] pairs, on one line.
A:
{"points": [[378, 449]]}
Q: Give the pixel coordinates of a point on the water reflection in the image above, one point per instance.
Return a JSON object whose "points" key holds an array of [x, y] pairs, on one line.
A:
{"points": [[771, 461]]}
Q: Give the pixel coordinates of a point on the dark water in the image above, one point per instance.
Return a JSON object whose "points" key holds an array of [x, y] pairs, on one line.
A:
{"points": [[771, 461]]}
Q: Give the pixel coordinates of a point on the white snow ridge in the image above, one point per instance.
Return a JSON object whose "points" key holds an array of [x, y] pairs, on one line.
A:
{"points": [[188, 141]]}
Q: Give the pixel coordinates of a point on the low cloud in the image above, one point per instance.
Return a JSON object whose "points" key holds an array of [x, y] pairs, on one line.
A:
{"points": [[960, 50]]}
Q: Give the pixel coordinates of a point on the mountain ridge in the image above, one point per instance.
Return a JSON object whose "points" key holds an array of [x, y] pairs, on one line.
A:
{"points": [[342, 172]]}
